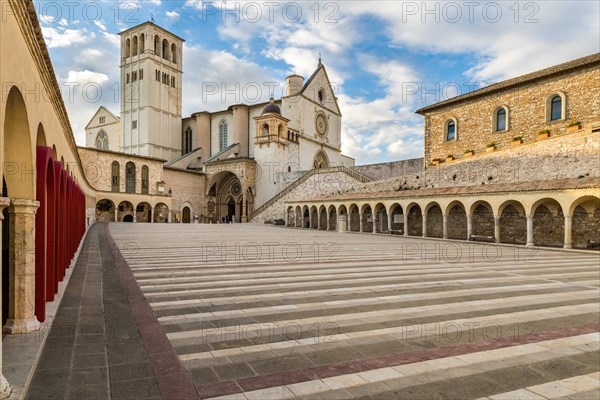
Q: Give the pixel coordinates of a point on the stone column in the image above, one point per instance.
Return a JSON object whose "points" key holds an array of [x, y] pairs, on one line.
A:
{"points": [[376, 222], [568, 232], [343, 223], [116, 214], [134, 216], [244, 207], [21, 318], [424, 225], [530, 231], [360, 222], [445, 225], [469, 226], [497, 229], [5, 388], [169, 216], [405, 224], [390, 218], [328, 218]]}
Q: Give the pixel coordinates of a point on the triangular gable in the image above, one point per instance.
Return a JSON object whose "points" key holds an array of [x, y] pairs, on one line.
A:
{"points": [[102, 111], [320, 80]]}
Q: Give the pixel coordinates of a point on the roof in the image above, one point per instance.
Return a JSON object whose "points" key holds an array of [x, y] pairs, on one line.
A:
{"points": [[96, 113], [541, 74], [555, 184], [154, 25]]}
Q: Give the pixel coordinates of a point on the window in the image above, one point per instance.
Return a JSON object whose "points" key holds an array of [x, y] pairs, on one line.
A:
{"points": [[102, 120], [141, 74], [115, 182], [135, 46], [165, 49], [102, 140], [134, 76], [187, 141], [265, 130], [145, 174], [450, 130], [142, 43], [127, 48], [130, 177], [321, 95], [500, 119], [134, 124], [174, 53], [556, 108], [172, 81], [128, 77], [157, 75], [156, 45], [222, 135]]}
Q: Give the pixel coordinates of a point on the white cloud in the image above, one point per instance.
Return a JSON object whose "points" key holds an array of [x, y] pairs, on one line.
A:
{"points": [[173, 15], [60, 37]]}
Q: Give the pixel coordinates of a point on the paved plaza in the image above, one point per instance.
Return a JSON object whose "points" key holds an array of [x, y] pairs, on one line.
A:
{"points": [[250, 311]]}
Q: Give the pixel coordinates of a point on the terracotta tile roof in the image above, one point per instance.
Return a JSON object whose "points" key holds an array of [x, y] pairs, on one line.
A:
{"points": [[556, 69], [555, 184]]}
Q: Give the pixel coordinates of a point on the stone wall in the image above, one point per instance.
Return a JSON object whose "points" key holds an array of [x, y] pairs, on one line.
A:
{"points": [[526, 106], [97, 166], [391, 169], [188, 188], [569, 155], [325, 183]]}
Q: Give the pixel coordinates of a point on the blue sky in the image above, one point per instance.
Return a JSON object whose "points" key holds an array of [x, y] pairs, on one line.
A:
{"points": [[385, 58]]}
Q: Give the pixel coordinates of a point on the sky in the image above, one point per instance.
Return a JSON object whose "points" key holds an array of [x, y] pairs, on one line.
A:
{"points": [[385, 59]]}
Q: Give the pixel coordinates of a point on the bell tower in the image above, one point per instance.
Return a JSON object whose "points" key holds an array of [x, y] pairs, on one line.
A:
{"points": [[151, 95]]}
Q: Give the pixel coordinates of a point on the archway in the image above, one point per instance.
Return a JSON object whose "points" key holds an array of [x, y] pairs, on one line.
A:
{"points": [[128, 218], [186, 215], [513, 223], [397, 218], [161, 213], [125, 209], [457, 221], [434, 221], [298, 217], [415, 221], [321, 160], [322, 218], [105, 211], [354, 218], [586, 223], [381, 219], [228, 192], [314, 218], [548, 223], [143, 212], [367, 218], [332, 219], [290, 217], [482, 219], [305, 218]]}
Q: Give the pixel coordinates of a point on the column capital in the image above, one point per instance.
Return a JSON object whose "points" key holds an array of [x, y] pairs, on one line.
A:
{"points": [[4, 202], [23, 206]]}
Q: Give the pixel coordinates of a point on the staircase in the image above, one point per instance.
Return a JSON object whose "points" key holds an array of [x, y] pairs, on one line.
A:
{"points": [[349, 171]]}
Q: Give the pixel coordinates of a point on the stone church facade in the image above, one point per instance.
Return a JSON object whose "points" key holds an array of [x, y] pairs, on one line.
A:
{"points": [[233, 160]]}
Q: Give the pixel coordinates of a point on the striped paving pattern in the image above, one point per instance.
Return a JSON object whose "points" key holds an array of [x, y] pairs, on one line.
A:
{"points": [[262, 312]]}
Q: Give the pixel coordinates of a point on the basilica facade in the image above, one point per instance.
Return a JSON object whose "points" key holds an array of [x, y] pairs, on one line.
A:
{"points": [[232, 160]]}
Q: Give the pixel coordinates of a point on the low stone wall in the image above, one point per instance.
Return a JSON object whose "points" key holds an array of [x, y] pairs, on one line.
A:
{"points": [[391, 169], [567, 156]]}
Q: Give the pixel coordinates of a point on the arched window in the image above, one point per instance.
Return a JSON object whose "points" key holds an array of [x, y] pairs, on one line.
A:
{"points": [[450, 130], [130, 177], [156, 45], [145, 179], [165, 49], [102, 140], [281, 131], [265, 130], [222, 135], [127, 48], [187, 141], [142, 43], [115, 181], [174, 53], [501, 120], [556, 108], [134, 51]]}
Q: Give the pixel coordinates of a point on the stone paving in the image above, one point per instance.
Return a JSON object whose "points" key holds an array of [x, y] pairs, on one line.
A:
{"points": [[263, 312]]}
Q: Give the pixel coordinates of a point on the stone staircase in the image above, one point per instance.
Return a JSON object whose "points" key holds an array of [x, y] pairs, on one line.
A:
{"points": [[357, 176]]}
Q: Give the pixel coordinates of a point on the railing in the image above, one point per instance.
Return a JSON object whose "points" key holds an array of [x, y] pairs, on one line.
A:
{"points": [[350, 172]]}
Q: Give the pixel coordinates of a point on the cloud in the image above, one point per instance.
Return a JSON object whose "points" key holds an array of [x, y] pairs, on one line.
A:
{"points": [[61, 37], [173, 15]]}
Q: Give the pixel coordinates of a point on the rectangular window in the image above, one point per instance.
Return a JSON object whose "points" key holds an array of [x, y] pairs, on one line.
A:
{"points": [[172, 81], [141, 74], [128, 77], [102, 119], [134, 124]]}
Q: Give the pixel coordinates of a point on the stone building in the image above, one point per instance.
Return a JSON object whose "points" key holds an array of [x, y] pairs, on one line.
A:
{"points": [[516, 162], [239, 157]]}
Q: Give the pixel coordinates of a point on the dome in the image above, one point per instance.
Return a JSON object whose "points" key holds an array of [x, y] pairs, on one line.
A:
{"points": [[271, 108]]}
